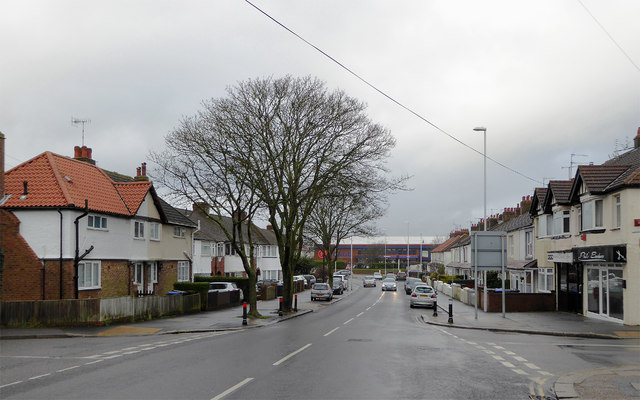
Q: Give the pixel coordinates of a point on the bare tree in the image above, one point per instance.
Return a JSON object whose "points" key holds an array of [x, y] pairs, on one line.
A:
{"points": [[345, 212], [198, 165], [284, 142]]}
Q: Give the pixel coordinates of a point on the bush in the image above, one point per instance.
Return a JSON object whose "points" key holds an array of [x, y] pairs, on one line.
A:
{"points": [[242, 283]]}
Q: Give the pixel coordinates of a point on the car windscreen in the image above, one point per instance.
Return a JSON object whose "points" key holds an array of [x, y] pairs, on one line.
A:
{"points": [[424, 289], [389, 280], [217, 286], [368, 277]]}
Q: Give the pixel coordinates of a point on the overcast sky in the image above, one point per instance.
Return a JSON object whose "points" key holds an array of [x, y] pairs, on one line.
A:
{"points": [[543, 77]]}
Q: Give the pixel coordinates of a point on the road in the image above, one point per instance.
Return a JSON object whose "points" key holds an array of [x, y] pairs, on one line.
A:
{"points": [[371, 345]]}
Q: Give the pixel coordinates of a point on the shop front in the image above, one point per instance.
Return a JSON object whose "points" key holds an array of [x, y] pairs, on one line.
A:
{"points": [[604, 267], [568, 282]]}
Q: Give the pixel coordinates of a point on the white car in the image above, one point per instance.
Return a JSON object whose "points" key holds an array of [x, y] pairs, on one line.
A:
{"points": [[377, 276], [225, 287], [423, 295], [389, 284]]}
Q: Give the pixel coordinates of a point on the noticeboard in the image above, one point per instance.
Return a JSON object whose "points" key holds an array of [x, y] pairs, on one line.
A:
{"points": [[491, 250]]}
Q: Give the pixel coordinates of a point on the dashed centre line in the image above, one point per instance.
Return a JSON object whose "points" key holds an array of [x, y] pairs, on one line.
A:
{"points": [[331, 331], [348, 321], [291, 355]]}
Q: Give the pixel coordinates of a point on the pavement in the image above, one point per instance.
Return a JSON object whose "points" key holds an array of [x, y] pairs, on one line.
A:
{"points": [[611, 383], [621, 382]]}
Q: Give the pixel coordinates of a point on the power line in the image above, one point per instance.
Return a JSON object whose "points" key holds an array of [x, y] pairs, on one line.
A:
{"points": [[608, 34], [386, 95]]}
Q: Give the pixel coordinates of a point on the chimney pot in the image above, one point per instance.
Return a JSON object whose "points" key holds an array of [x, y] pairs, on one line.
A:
{"points": [[89, 151], [76, 152], [138, 171], [144, 169]]}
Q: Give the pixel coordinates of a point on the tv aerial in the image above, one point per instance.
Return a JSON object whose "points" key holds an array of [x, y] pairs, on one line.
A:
{"points": [[76, 121]]}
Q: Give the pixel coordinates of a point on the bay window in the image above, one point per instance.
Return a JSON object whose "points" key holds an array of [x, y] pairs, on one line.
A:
{"points": [[592, 214]]}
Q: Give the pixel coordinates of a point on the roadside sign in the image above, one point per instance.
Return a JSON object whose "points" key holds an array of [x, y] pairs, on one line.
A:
{"points": [[491, 250]]}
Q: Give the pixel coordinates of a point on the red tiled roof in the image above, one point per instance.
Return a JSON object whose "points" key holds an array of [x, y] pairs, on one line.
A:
{"points": [[58, 181], [447, 245]]}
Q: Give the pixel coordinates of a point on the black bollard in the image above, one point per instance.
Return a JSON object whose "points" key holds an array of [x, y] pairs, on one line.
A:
{"points": [[450, 311], [280, 309], [295, 304], [435, 308], [244, 314]]}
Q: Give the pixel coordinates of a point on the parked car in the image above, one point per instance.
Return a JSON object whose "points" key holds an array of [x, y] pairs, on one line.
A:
{"points": [[310, 280], [408, 282], [225, 287], [389, 284], [321, 291], [369, 280], [401, 276], [299, 278], [337, 286], [423, 295], [391, 275], [377, 276], [343, 281], [344, 272]]}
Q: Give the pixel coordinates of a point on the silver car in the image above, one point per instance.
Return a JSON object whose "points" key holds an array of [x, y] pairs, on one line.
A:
{"points": [[389, 284], [423, 295], [369, 280], [410, 283], [321, 291]]}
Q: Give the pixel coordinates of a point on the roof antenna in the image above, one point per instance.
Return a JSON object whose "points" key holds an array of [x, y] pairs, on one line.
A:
{"points": [[572, 163], [76, 121]]}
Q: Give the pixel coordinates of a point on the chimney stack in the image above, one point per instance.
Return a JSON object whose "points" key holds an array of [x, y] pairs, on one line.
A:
{"points": [[141, 173], [636, 141], [83, 154]]}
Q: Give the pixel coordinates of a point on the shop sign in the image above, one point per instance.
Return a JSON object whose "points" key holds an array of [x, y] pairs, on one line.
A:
{"points": [[560, 257], [617, 254]]}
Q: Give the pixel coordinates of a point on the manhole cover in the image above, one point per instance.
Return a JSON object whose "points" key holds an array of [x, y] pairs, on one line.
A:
{"points": [[359, 340]]}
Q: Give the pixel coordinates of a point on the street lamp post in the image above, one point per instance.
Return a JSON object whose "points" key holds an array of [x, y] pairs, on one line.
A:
{"points": [[484, 130]]}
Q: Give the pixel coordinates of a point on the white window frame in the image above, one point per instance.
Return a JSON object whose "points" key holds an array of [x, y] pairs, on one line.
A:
{"points": [[220, 249], [89, 281], [528, 244], [153, 272], [617, 211], [205, 248], [593, 214], [183, 271], [560, 227], [97, 222], [138, 229], [545, 285], [511, 240], [179, 231], [138, 272], [154, 230]]}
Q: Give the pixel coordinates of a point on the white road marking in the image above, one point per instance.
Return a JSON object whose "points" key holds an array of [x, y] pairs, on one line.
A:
{"points": [[68, 369], [521, 359], [113, 356], [511, 353], [232, 389], [359, 314], [519, 371], [131, 352], [331, 331], [491, 344], [10, 384], [481, 347], [499, 347], [348, 321], [498, 358], [39, 376], [508, 364], [532, 366], [94, 362], [545, 373], [292, 354], [473, 343], [488, 351], [368, 308]]}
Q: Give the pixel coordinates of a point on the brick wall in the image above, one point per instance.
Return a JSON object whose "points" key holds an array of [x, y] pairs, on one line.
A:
{"points": [[167, 275], [117, 279], [22, 270]]}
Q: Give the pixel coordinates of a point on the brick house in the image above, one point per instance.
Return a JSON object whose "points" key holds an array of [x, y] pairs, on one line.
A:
{"points": [[72, 230]]}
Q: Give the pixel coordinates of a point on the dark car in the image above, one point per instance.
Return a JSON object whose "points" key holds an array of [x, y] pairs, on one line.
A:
{"points": [[310, 280], [401, 276]]}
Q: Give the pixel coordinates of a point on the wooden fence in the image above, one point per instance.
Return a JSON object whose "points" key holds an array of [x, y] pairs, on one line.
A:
{"points": [[94, 311]]}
